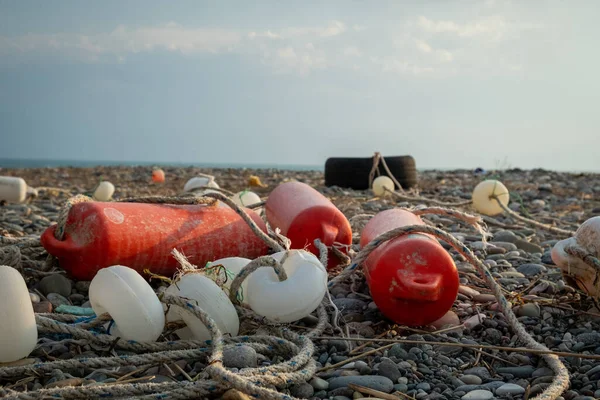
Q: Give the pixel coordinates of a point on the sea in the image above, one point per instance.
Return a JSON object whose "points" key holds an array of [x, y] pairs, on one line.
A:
{"points": [[39, 163]]}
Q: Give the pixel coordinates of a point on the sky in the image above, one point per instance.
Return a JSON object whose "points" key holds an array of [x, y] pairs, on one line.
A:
{"points": [[454, 83]]}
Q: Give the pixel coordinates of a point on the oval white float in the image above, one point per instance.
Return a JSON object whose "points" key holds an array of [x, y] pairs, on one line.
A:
{"points": [[131, 302], [13, 189], [207, 295], [18, 330], [294, 298], [104, 191]]}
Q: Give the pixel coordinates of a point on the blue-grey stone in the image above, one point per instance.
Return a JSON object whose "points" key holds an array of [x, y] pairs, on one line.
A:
{"points": [[380, 383]]}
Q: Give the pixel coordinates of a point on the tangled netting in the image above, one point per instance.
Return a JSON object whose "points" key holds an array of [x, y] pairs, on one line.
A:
{"points": [[266, 382]]}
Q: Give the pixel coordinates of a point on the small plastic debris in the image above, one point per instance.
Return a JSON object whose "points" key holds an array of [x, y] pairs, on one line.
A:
{"points": [[18, 330], [74, 310], [412, 279], [130, 301], [207, 295], [294, 298], [483, 200], [104, 191], [303, 215], [254, 181], [382, 184], [13, 189]]}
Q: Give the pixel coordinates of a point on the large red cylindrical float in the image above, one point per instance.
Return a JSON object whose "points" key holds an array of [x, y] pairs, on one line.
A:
{"points": [[303, 215], [412, 279], [142, 236]]}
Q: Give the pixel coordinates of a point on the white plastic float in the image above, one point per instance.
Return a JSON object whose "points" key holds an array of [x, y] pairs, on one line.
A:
{"points": [[294, 298], [18, 330], [587, 237], [104, 191], [206, 294], [482, 197], [134, 307], [245, 198], [233, 265], [13, 189], [381, 183], [198, 182]]}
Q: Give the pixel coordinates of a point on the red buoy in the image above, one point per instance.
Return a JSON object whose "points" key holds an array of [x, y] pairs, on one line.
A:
{"points": [[158, 176], [412, 279], [303, 215], [142, 236]]}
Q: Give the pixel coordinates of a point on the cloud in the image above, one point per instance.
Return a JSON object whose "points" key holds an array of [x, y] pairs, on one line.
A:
{"points": [[352, 51], [418, 46]]}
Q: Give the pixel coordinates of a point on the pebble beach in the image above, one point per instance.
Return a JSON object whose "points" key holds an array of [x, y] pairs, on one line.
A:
{"points": [[550, 308]]}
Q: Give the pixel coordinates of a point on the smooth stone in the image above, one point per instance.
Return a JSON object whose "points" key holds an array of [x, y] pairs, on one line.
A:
{"points": [[302, 391], [389, 369], [380, 383], [484, 298], [346, 305], [481, 372], [56, 283], [467, 291], [57, 299], [240, 357], [528, 247], [478, 394], [529, 310], [449, 319], [35, 298], [505, 245], [319, 384], [520, 372], [474, 321], [509, 388], [42, 307], [505, 236], [471, 379], [530, 270]]}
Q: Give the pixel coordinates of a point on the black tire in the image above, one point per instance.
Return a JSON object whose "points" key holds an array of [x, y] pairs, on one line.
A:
{"points": [[354, 172]]}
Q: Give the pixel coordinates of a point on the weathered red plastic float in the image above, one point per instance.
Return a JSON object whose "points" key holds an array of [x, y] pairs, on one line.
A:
{"points": [[142, 236], [303, 215], [412, 279]]}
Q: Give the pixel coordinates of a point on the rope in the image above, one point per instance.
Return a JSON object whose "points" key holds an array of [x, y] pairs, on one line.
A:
{"points": [[377, 158], [426, 200], [533, 222], [561, 379]]}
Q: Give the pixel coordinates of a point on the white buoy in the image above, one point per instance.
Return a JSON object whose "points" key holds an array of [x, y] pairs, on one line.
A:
{"points": [[198, 182], [482, 197], [134, 307], [205, 293], [381, 183], [233, 265], [18, 330], [104, 191], [296, 297], [245, 198], [587, 237], [13, 189]]}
